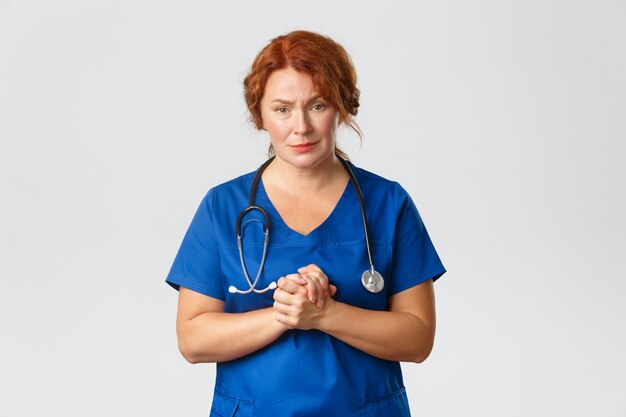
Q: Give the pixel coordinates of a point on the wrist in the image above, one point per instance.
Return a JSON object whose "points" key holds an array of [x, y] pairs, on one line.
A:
{"points": [[327, 316], [278, 327]]}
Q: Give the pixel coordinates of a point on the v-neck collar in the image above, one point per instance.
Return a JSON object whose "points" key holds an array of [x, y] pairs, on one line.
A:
{"points": [[320, 231]]}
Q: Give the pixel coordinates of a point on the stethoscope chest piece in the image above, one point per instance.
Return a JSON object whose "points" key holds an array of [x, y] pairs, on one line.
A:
{"points": [[372, 281]]}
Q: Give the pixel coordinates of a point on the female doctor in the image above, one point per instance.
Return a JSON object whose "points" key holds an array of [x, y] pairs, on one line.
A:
{"points": [[314, 320]]}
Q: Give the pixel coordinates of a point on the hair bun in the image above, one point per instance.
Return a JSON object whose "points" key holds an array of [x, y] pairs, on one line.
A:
{"points": [[354, 102]]}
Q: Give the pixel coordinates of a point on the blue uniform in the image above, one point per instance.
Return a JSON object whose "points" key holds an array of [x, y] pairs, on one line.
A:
{"points": [[307, 373]]}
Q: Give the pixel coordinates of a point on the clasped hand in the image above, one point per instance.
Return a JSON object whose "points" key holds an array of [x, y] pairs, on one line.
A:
{"points": [[301, 299]]}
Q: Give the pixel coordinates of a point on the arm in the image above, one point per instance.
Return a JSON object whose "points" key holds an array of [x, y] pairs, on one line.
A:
{"points": [[404, 333], [207, 334]]}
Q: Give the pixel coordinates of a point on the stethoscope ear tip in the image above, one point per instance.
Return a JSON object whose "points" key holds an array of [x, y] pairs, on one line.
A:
{"points": [[232, 289]]}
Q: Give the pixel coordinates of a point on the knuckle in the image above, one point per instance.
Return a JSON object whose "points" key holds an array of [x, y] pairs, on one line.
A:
{"points": [[318, 275]]}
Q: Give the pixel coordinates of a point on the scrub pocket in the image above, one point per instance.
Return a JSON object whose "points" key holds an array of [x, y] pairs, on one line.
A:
{"points": [[227, 406], [393, 404]]}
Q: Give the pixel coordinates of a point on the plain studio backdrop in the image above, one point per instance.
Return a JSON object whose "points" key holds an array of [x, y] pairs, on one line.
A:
{"points": [[505, 121]]}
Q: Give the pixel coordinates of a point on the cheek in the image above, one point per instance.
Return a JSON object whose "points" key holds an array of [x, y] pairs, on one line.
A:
{"points": [[330, 122], [277, 129], [328, 126]]}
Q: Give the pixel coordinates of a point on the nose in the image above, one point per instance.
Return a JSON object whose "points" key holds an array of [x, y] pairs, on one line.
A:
{"points": [[302, 124]]}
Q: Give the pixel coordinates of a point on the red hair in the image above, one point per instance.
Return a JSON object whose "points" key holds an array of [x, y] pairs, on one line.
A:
{"points": [[327, 62]]}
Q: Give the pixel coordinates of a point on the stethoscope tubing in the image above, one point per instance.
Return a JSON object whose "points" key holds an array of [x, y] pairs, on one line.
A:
{"points": [[362, 207], [368, 284]]}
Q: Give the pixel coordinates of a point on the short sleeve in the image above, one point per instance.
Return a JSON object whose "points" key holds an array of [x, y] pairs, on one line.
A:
{"points": [[197, 263], [415, 259]]}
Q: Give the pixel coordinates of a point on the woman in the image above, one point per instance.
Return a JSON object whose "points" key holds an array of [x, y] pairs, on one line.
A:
{"points": [[325, 342]]}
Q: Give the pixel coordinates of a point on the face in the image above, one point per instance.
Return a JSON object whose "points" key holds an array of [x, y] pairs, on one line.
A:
{"points": [[300, 123]]}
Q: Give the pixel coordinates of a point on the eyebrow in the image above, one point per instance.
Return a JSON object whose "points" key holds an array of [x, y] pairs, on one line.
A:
{"points": [[281, 100]]}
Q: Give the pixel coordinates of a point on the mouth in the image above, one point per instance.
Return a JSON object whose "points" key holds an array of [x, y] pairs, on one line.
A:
{"points": [[303, 147]]}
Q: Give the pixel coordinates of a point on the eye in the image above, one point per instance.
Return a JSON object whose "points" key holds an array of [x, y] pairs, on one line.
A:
{"points": [[281, 110], [318, 106]]}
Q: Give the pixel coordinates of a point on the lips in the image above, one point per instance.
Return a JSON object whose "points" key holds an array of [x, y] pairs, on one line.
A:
{"points": [[303, 147]]}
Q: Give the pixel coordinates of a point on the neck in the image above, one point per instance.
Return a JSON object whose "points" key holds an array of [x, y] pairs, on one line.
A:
{"points": [[288, 177]]}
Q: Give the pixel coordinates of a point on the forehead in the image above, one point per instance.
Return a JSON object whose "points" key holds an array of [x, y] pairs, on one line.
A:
{"points": [[288, 83]]}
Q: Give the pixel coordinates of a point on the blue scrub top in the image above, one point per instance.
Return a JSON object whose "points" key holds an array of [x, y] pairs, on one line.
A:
{"points": [[307, 373]]}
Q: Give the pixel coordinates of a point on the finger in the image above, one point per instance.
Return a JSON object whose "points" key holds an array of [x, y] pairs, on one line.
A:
{"points": [[322, 284], [332, 290], [281, 307], [316, 272], [289, 286], [322, 281], [314, 290], [322, 292], [297, 278], [309, 268], [282, 297]]}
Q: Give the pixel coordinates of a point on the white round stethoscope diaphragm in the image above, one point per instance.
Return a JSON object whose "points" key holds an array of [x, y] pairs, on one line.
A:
{"points": [[372, 281]]}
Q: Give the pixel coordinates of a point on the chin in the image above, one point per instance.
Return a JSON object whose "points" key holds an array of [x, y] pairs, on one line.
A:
{"points": [[306, 160]]}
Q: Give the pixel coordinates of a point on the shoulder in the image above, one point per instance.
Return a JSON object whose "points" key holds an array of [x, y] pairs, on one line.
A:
{"points": [[371, 179], [379, 186], [233, 185], [228, 195]]}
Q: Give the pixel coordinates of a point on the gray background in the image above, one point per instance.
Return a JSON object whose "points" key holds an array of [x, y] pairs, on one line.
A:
{"points": [[504, 120]]}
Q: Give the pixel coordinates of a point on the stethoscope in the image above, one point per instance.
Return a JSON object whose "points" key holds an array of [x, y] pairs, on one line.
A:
{"points": [[371, 279]]}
